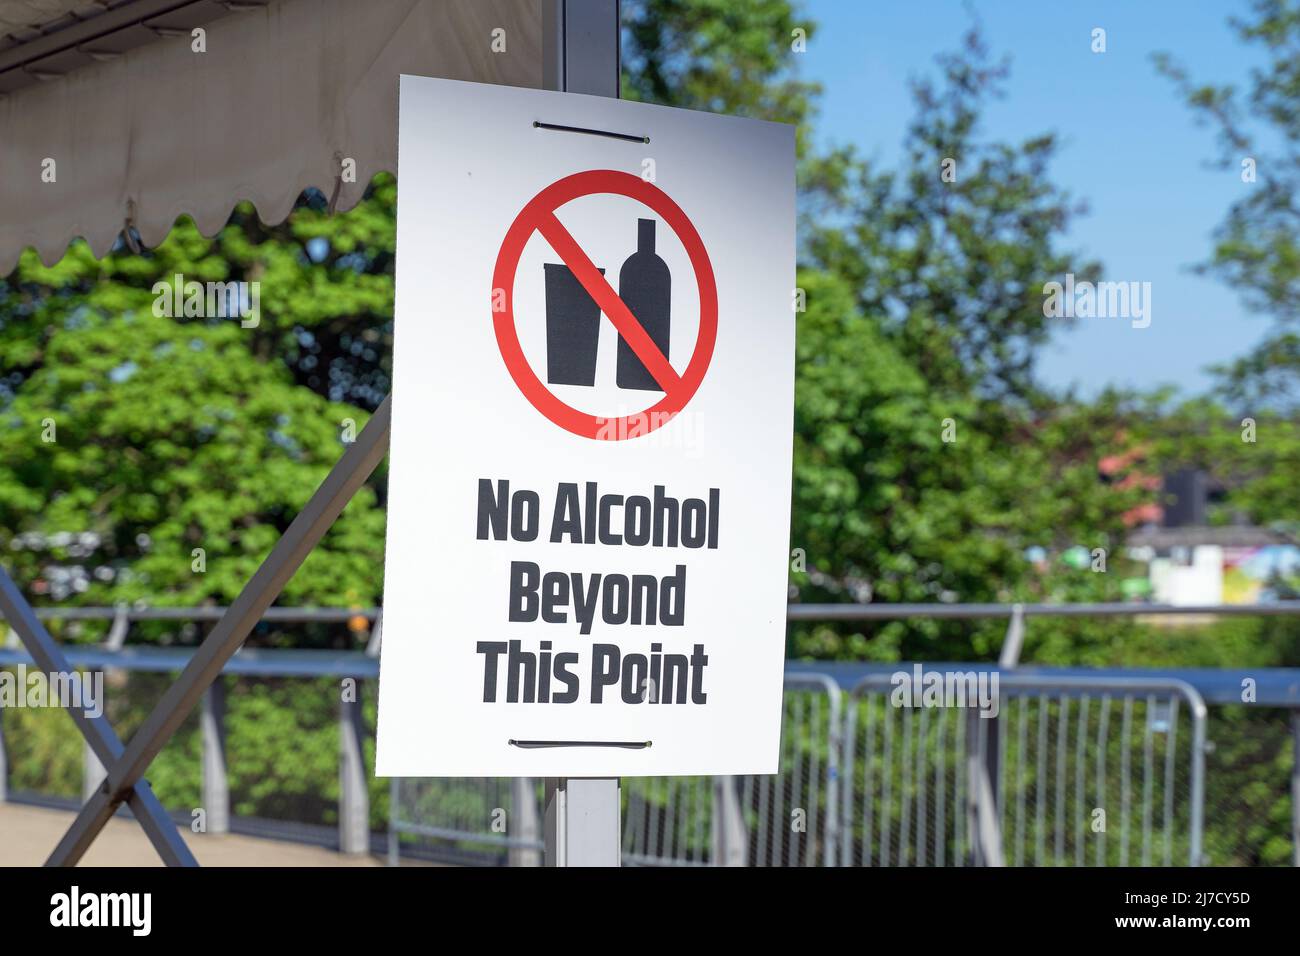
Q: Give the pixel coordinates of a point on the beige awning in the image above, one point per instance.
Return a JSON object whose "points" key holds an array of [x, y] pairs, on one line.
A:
{"points": [[142, 128]]}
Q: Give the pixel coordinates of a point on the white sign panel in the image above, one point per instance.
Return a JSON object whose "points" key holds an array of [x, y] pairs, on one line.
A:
{"points": [[589, 493]]}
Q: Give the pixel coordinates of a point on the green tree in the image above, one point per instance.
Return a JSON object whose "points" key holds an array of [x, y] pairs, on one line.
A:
{"points": [[927, 457], [147, 459], [1248, 434], [1257, 246], [718, 56]]}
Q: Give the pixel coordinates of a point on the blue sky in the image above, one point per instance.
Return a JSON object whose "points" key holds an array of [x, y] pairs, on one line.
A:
{"points": [[1129, 147]]}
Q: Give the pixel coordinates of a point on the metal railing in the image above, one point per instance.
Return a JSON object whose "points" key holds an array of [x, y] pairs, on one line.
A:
{"points": [[352, 832], [861, 781], [474, 820], [793, 817], [789, 818], [961, 786]]}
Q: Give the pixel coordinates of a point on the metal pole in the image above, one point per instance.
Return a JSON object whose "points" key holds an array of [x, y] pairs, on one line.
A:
{"points": [[394, 814], [730, 837], [128, 766], [4, 760], [1014, 640], [1295, 788], [582, 822], [523, 822], [216, 783], [92, 771], [580, 54], [354, 800], [580, 46], [1008, 659]]}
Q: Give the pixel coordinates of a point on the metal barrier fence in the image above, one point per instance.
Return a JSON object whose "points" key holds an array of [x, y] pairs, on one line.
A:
{"points": [[1077, 768], [669, 821], [490, 821], [324, 741], [1057, 771], [793, 818], [789, 818]]}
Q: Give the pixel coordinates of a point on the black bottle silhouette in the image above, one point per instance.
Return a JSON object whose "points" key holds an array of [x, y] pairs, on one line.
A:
{"points": [[644, 285]]}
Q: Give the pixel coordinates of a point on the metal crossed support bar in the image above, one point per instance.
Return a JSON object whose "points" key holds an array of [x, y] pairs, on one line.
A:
{"points": [[96, 730], [126, 766]]}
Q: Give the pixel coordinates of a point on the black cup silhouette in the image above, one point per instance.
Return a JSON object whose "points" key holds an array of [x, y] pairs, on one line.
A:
{"points": [[644, 285], [572, 328]]}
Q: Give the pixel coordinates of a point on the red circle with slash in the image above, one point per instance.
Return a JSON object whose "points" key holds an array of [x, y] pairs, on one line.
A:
{"points": [[539, 216]]}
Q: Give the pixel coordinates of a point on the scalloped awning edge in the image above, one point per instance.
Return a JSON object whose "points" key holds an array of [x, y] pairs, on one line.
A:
{"points": [[279, 99]]}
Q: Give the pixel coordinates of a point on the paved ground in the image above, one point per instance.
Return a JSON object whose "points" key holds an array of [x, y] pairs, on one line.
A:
{"points": [[28, 834]]}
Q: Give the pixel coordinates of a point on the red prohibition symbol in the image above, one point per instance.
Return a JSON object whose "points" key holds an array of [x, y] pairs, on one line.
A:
{"points": [[539, 216]]}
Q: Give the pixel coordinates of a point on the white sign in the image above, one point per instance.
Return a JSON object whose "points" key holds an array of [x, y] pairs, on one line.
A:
{"points": [[589, 493]]}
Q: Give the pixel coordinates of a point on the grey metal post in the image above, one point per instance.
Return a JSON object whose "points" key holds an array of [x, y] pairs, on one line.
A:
{"points": [[730, 836], [982, 768], [580, 44], [92, 768], [524, 825], [1295, 788], [974, 771], [216, 783], [989, 838], [1014, 640], [394, 809], [849, 751], [354, 799], [988, 731], [92, 771], [4, 760], [580, 49], [582, 822]]}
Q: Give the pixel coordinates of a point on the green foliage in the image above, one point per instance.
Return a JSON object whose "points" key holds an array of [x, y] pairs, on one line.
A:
{"points": [[927, 459], [177, 434], [170, 437], [1257, 246], [952, 271], [718, 56], [1255, 455]]}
